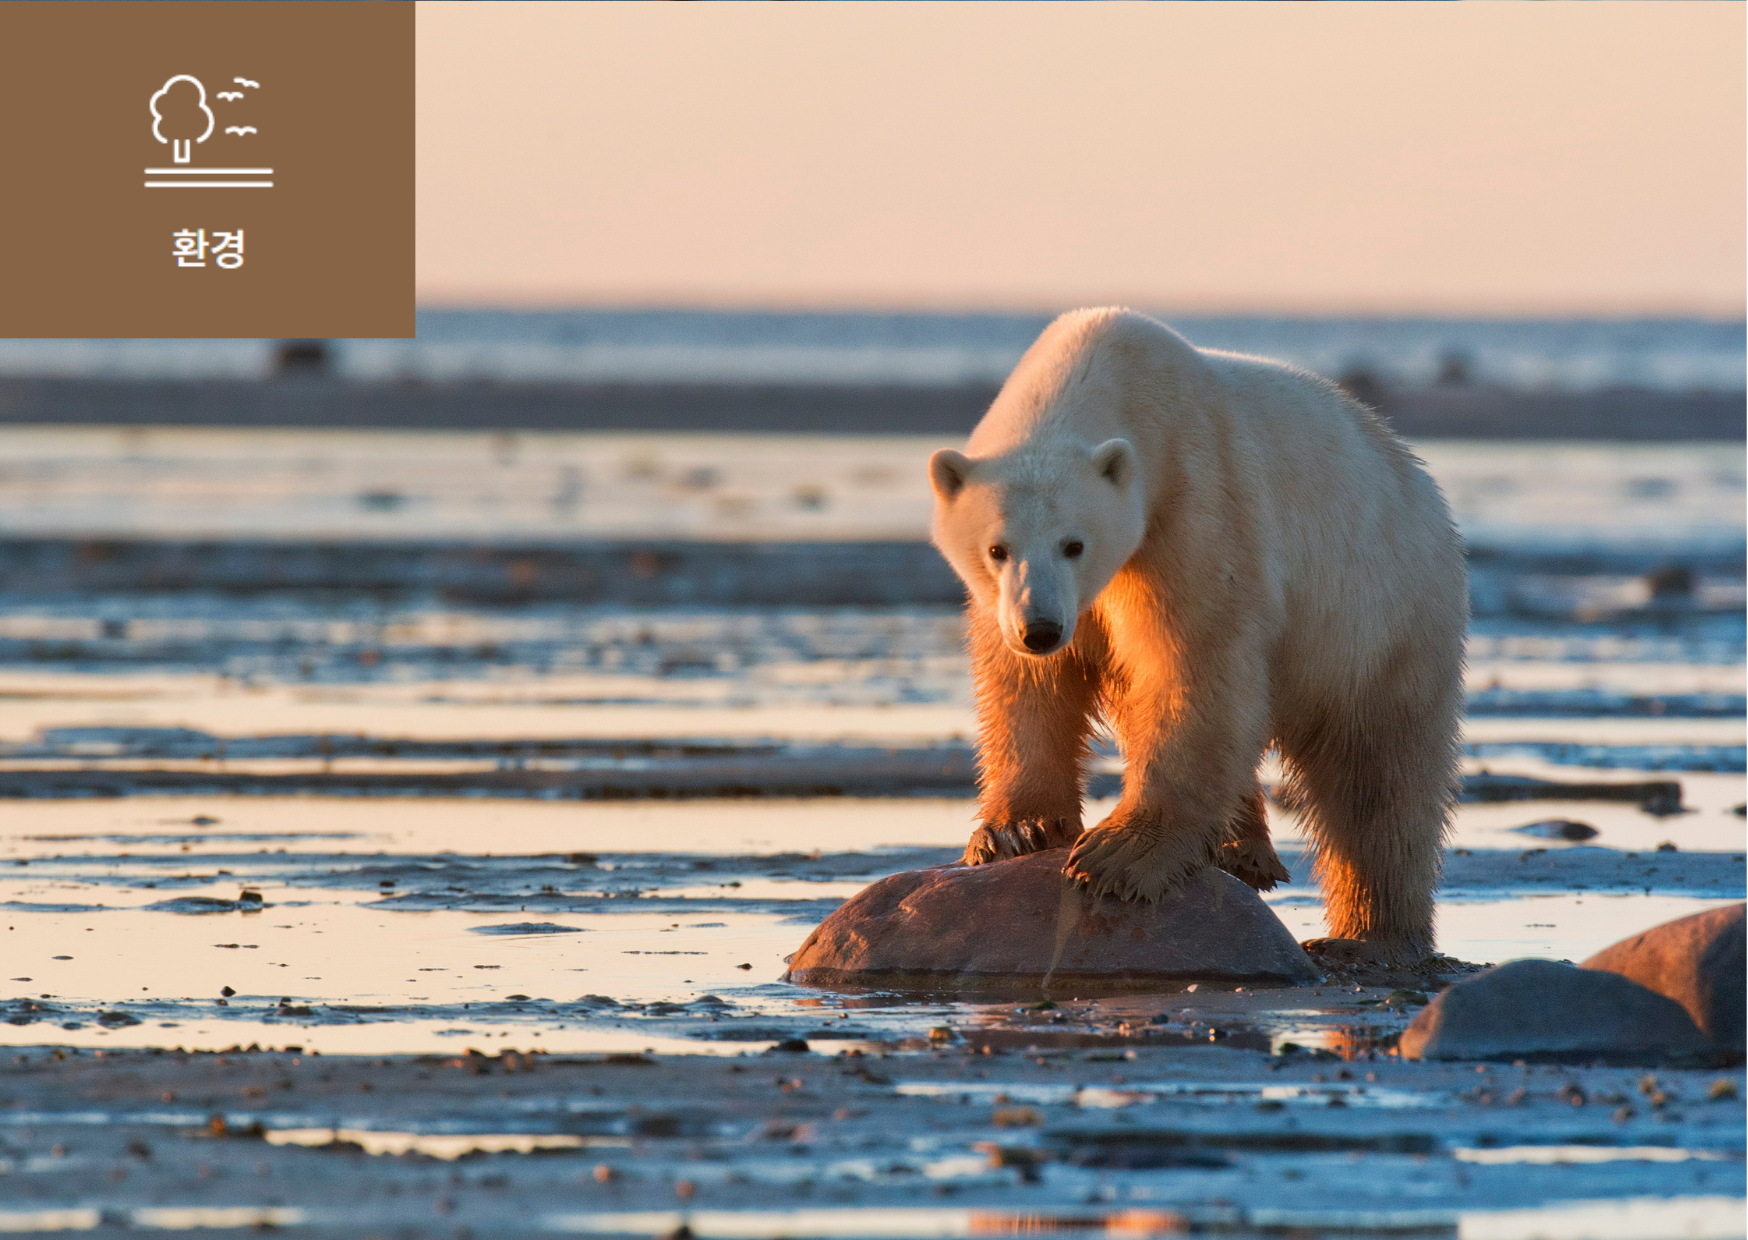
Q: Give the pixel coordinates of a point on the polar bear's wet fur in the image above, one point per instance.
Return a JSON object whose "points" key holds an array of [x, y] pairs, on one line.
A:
{"points": [[1214, 553]]}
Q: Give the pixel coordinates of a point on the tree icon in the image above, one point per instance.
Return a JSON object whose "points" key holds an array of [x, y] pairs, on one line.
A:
{"points": [[182, 113]]}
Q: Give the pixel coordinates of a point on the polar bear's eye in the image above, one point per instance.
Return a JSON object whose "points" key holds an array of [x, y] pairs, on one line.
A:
{"points": [[1073, 549], [998, 553]]}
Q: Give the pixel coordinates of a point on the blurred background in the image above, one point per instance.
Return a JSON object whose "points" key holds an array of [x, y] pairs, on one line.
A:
{"points": [[641, 512]]}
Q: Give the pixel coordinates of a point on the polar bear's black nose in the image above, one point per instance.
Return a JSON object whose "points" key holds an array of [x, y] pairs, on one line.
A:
{"points": [[1042, 635]]}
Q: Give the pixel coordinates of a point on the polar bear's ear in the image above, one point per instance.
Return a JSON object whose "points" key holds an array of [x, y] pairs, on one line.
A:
{"points": [[1115, 459], [948, 471]]}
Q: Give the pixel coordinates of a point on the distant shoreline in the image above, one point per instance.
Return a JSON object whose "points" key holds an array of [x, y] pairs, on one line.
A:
{"points": [[1463, 411], [679, 572]]}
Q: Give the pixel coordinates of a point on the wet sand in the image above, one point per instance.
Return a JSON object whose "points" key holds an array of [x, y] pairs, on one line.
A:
{"points": [[163, 892], [1009, 1132], [386, 925]]}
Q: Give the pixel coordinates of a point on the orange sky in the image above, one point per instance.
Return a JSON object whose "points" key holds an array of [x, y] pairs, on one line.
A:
{"points": [[1407, 157]]}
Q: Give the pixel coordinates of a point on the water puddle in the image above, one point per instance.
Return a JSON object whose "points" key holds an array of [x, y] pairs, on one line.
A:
{"points": [[154, 1218], [392, 814], [1693, 1218], [1141, 1093], [446, 1147], [1570, 1155], [569, 935]]}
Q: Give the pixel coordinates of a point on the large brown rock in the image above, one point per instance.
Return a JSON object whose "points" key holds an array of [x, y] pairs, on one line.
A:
{"points": [[1543, 1010], [1698, 961], [1016, 923]]}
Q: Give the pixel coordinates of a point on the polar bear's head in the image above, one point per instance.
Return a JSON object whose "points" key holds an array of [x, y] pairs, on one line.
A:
{"points": [[1037, 535]]}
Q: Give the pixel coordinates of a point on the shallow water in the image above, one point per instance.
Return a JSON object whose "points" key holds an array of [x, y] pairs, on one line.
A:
{"points": [[178, 869], [154, 740], [1151, 1141], [373, 925], [706, 345], [534, 487], [1701, 1218]]}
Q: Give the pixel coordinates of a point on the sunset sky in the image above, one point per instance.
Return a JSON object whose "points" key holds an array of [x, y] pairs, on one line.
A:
{"points": [[1491, 158]]}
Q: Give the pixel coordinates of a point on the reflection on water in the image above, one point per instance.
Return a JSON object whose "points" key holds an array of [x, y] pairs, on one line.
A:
{"points": [[1213, 1093], [448, 1147], [1693, 1218], [384, 926], [540, 488], [154, 1218], [474, 904]]}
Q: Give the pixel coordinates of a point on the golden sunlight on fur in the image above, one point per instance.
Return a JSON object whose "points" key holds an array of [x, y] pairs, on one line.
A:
{"points": [[1213, 553]]}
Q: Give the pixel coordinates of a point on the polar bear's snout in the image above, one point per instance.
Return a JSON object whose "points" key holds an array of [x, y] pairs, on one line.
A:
{"points": [[1037, 604], [1043, 636]]}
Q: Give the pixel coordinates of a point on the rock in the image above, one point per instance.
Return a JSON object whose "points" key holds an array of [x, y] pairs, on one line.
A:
{"points": [[1698, 961], [1558, 829], [1019, 922], [1541, 1010]]}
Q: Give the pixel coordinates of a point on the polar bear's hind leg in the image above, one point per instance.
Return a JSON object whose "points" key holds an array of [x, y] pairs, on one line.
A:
{"points": [[1376, 784]]}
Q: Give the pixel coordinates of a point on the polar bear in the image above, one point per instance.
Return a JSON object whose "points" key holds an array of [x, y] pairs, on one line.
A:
{"points": [[1215, 553]]}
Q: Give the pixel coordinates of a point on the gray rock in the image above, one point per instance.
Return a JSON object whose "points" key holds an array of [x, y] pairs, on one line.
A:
{"points": [[1541, 1010], [1012, 924], [526, 927], [1698, 961], [1558, 829]]}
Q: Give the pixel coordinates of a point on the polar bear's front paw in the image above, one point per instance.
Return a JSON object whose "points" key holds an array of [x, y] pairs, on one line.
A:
{"points": [[1134, 863], [1253, 863], [1000, 841]]}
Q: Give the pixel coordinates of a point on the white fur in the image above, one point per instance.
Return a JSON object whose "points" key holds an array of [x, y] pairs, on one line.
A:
{"points": [[1263, 562]]}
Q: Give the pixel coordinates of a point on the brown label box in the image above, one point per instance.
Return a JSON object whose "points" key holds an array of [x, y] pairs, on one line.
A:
{"points": [[218, 168]]}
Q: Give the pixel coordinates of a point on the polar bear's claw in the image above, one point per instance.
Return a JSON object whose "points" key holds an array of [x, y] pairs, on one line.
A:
{"points": [[1132, 863], [1253, 863], [1001, 841]]}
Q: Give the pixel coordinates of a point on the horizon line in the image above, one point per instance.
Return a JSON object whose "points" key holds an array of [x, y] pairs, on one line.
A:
{"points": [[947, 309]]}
